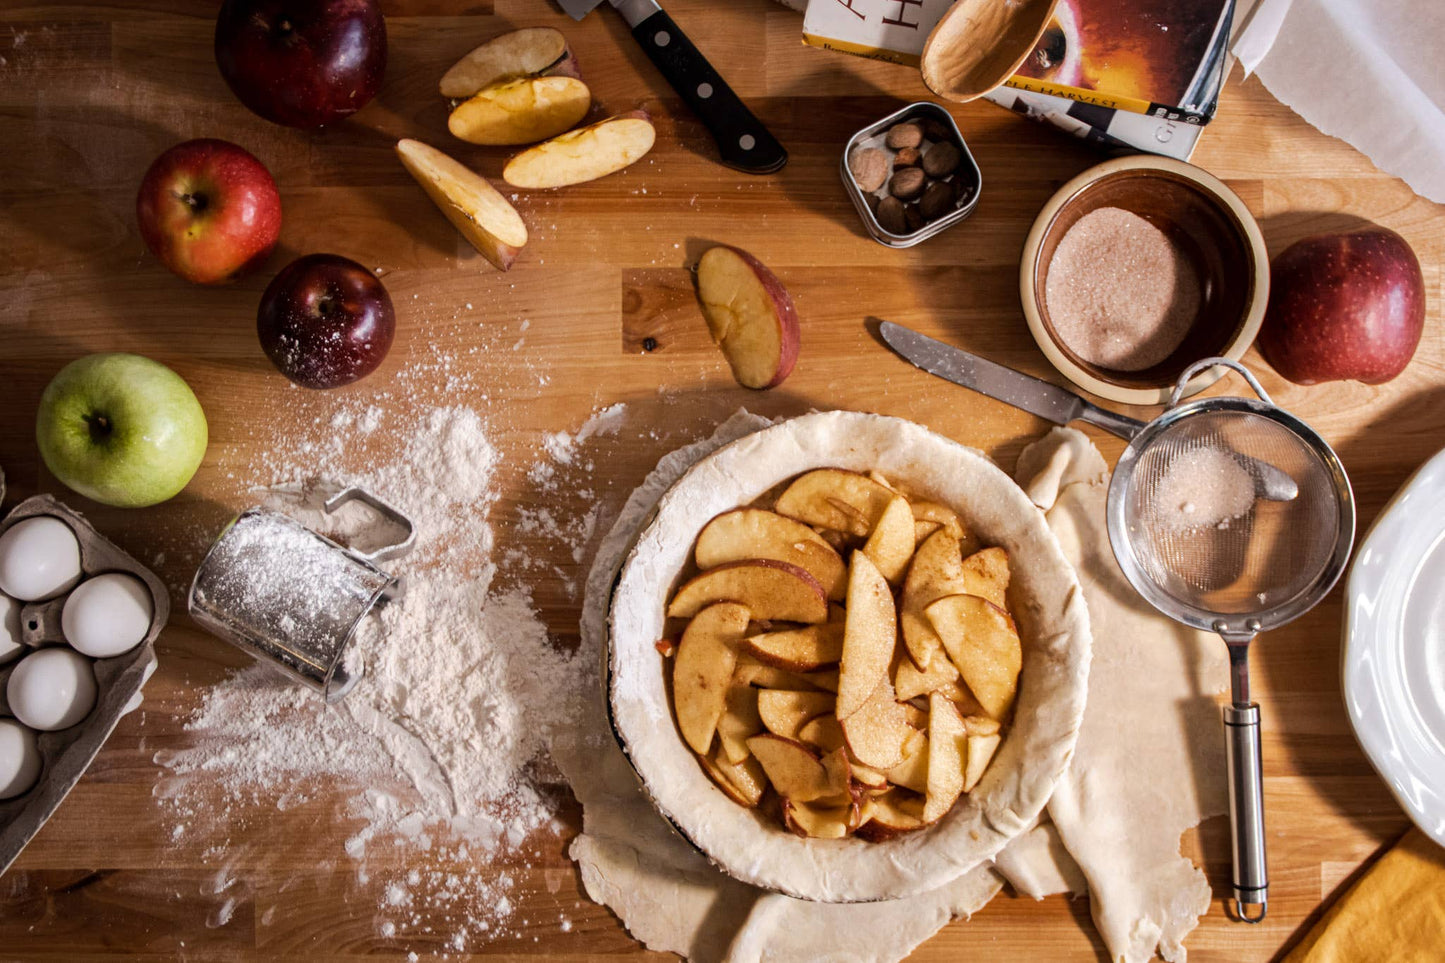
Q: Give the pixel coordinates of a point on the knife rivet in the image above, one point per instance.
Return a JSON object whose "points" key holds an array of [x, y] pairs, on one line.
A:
{"points": [[704, 91], [747, 142], [662, 38]]}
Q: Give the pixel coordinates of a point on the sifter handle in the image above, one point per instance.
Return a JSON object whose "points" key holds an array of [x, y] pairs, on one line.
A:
{"points": [[1246, 811]]}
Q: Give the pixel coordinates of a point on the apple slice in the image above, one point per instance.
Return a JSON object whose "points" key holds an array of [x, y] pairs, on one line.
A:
{"points": [[772, 591], [524, 111], [870, 633], [798, 650], [748, 533], [840, 774], [739, 722], [984, 644], [529, 52], [743, 783], [825, 679], [817, 822], [750, 316], [783, 712], [986, 575], [981, 725], [940, 515], [703, 669], [912, 682], [751, 672], [869, 778], [894, 813], [947, 740], [475, 208], [921, 530], [891, 543], [912, 772], [795, 771], [832, 498], [980, 754], [584, 154], [876, 733], [823, 732], [936, 571]]}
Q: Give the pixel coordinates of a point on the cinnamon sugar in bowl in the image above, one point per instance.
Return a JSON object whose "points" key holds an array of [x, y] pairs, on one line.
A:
{"points": [[1169, 267]]}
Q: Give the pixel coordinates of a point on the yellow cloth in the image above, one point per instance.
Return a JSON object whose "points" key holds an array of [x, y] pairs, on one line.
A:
{"points": [[1394, 913]]}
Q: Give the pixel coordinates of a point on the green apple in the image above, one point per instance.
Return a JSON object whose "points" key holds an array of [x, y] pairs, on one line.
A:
{"points": [[121, 429]]}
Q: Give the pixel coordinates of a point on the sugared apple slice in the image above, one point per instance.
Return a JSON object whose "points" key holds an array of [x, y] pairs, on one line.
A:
{"points": [[986, 575], [817, 822], [748, 533], [524, 111], [744, 783], [795, 771], [876, 733], [739, 722], [798, 650], [584, 154], [751, 672], [484, 217], [984, 644], [870, 633], [823, 732], [825, 679], [529, 52], [947, 740], [894, 813], [938, 514], [892, 541], [912, 682], [936, 571], [783, 712], [772, 591], [836, 499], [912, 772], [703, 670], [869, 778], [921, 530], [980, 754], [750, 316]]}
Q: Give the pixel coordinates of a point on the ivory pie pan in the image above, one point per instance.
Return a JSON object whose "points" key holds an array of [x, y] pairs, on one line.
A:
{"points": [[1211, 227], [1044, 596]]}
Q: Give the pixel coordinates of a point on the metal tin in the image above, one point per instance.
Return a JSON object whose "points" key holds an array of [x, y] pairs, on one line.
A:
{"points": [[967, 169]]}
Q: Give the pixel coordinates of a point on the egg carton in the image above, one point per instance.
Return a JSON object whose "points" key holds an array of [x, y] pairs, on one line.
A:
{"points": [[65, 755]]}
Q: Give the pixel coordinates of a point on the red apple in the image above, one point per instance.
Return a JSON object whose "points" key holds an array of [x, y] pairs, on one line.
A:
{"points": [[302, 63], [209, 210], [1344, 307], [325, 321]]}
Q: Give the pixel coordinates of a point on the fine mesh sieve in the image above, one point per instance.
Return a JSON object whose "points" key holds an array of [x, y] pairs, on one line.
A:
{"points": [[1194, 537]]}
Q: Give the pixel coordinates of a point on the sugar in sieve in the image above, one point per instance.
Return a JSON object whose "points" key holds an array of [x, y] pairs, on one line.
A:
{"points": [[1193, 538]]}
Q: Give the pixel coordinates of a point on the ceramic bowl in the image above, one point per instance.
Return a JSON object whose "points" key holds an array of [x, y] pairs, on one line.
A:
{"points": [[1212, 228]]}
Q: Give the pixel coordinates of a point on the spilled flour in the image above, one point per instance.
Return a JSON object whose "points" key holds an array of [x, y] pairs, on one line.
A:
{"points": [[444, 736]]}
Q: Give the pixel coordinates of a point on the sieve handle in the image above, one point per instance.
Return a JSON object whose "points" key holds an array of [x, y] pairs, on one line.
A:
{"points": [[1199, 366], [1246, 811]]}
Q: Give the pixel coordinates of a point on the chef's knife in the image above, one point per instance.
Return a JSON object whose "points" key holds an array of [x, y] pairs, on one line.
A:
{"points": [[742, 140], [1049, 402]]}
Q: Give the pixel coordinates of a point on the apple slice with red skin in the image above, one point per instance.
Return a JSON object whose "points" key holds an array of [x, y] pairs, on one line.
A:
{"points": [[750, 315], [870, 633], [529, 52], [584, 154], [876, 734], [823, 732], [773, 591], [751, 672], [475, 208], [747, 533], [836, 499], [936, 571], [894, 813], [513, 112], [817, 822], [798, 650], [794, 770], [738, 723], [785, 711], [983, 643], [702, 671], [744, 782], [891, 543]]}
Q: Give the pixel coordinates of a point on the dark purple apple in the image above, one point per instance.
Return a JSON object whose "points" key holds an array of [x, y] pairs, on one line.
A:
{"points": [[302, 63], [1344, 307], [325, 321]]}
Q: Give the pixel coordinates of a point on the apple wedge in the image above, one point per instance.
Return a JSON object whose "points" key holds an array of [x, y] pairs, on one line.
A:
{"points": [[912, 772], [703, 670], [980, 754], [798, 650], [772, 591], [584, 154], [751, 672], [870, 633], [947, 745], [876, 734], [747, 533], [984, 644], [476, 209], [784, 712], [750, 316], [912, 682], [832, 498], [739, 722], [529, 52], [921, 530], [894, 813], [936, 571], [817, 822], [986, 575], [891, 543], [744, 783], [825, 679], [513, 112], [823, 732], [794, 770], [869, 778]]}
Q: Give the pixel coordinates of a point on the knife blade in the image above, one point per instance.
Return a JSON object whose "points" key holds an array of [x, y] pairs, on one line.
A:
{"points": [[743, 143]]}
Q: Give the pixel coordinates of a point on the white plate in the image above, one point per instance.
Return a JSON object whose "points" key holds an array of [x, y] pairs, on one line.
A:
{"points": [[1394, 656]]}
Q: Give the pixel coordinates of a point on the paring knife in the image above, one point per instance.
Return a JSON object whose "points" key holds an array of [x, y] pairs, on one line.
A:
{"points": [[742, 140], [1049, 402]]}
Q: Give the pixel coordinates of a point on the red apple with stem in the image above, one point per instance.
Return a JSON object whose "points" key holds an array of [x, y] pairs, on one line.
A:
{"points": [[209, 210], [302, 63], [325, 321]]}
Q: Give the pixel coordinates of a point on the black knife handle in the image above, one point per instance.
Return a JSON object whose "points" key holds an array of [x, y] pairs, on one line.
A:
{"points": [[742, 140]]}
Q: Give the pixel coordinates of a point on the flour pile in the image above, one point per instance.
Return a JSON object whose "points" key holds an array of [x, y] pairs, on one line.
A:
{"points": [[461, 691]]}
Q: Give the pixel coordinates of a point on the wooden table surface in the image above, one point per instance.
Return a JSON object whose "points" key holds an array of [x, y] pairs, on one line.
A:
{"points": [[90, 93]]}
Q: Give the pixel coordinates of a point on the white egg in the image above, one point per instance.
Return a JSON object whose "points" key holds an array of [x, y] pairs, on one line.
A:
{"points": [[107, 615], [10, 646], [51, 689], [39, 559], [19, 759]]}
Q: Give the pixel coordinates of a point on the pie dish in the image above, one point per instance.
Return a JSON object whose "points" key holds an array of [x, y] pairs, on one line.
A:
{"points": [[1053, 623]]}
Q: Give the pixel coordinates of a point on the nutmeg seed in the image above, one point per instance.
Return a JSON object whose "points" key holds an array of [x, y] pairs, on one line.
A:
{"points": [[941, 159], [907, 183], [906, 134], [869, 167], [891, 216]]}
